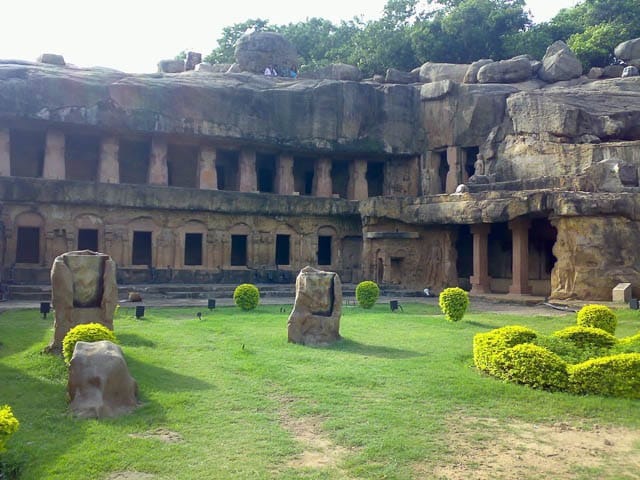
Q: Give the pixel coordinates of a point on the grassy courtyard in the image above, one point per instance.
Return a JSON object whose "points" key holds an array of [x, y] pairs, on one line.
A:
{"points": [[227, 397]]}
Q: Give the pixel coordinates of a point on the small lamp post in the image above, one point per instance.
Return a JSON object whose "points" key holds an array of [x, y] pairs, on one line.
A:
{"points": [[211, 303], [139, 312], [45, 307]]}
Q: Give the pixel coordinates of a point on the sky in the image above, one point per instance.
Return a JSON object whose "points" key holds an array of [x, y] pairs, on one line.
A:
{"points": [[133, 35]]}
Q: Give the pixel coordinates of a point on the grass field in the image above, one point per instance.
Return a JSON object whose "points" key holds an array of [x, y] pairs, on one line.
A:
{"points": [[228, 397]]}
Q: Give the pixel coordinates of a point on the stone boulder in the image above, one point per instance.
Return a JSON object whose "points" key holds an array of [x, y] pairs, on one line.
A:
{"points": [[171, 66], [100, 384], [433, 72], [257, 50], [472, 72], [628, 50], [83, 290], [506, 71], [559, 63], [213, 68], [193, 59], [52, 59], [398, 76], [613, 71], [315, 319], [630, 71]]}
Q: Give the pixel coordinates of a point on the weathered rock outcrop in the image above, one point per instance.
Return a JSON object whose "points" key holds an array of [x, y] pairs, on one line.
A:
{"points": [[100, 384], [305, 114], [628, 50], [434, 72], [559, 63], [505, 71], [315, 319]]}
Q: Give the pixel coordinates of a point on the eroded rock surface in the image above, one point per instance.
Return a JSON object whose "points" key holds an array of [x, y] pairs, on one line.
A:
{"points": [[315, 319], [100, 384], [257, 50]]}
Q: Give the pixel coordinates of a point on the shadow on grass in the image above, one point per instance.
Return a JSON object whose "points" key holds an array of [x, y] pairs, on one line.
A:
{"points": [[351, 346], [486, 326], [134, 340], [162, 379], [21, 331]]}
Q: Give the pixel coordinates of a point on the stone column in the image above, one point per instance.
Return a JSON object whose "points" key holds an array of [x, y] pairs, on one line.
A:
{"points": [[5, 152], [358, 188], [480, 280], [284, 175], [158, 169], [520, 266], [431, 184], [54, 164], [248, 179], [207, 175], [109, 164], [322, 185], [455, 159]]}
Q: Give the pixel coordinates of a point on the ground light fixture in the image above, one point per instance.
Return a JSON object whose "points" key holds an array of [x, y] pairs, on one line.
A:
{"points": [[139, 312], [211, 303], [395, 305], [45, 307]]}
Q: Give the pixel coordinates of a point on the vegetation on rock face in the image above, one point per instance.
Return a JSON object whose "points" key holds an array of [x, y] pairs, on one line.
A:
{"points": [[88, 332], [453, 303], [598, 316], [9, 425], [410, 33], [367, 293], [246, 296]]}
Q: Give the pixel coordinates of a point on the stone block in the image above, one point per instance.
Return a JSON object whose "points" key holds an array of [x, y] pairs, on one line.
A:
{"points": [[621, 293]]}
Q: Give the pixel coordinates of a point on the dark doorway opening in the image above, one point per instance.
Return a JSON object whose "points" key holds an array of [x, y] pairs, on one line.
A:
{"points": [[182, 165], [324, 250], [303, 170], [340, 178], [380, 271], [82, 154], [193, 249], [141, 250], [443, 170], [397, 270], [500, 251], [27, 153], [464, 263], [266, 167], [238, 250], [133, 156], [542, 237], [227, 169], [375, 179], [88, 239], [283, 249], [471, 155], [28, 245]]}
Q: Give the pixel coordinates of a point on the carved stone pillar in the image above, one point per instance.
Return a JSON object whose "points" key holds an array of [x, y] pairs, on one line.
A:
{"points": [[158, 169], [5, 152], [431, 184], [284, 175], [520, 267], [455, 159], [248, 179], [207, 175], [54, 165], [480, 280], [358, 188], [109, 165], [322, 185]]}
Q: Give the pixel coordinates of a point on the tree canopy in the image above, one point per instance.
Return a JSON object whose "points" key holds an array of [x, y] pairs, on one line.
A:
{"points": [[410, 33]]}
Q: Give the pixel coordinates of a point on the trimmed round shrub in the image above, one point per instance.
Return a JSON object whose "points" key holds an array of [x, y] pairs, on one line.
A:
{"points": [[9, 425], [628, 345], [246, 296], [367, 293], [532, 365], [615, 375], [86, 332], [453, 303], [585, 337], [487, 345], [598, 316]]}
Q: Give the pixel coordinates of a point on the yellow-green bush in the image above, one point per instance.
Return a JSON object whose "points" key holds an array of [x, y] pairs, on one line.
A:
{"points": [[367, 293], [598, 316], [453, 303], [587, 336], [9, 425], [532, 365], [616, 375], [487, 345], [86, 332], [246, 296]]}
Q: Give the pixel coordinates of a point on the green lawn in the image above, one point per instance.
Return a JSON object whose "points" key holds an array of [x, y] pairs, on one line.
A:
{"points": [[383, 401]]}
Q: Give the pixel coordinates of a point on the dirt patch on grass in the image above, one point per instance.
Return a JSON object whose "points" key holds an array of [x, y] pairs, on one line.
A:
{"points": [[162, 434], [487, 449], [130, 476]]}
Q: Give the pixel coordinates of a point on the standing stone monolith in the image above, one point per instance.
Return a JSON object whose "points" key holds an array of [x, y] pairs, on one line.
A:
{"points": [[315, 319], [83, 290]]}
